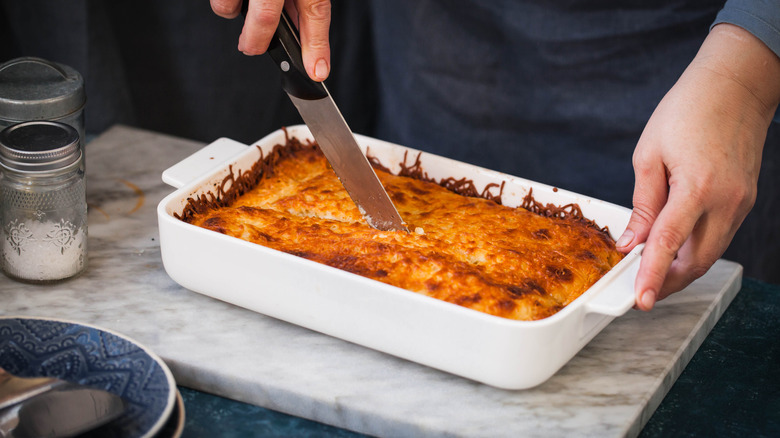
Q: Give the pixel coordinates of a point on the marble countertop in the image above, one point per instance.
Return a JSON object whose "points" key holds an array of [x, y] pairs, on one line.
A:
{"points": [[610, 388]]}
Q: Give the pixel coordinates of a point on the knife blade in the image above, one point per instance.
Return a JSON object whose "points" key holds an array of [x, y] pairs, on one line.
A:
{"points": [[330, 130], [64, 411]]}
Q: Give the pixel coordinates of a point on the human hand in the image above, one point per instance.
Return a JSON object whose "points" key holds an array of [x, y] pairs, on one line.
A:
{"points": [[697, 161], [312, 17]]}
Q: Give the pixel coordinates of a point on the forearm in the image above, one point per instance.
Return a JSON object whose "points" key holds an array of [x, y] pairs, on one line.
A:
{"points": [[748, 70]]}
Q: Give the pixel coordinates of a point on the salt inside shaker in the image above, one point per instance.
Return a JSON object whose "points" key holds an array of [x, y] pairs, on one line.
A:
{"points": [[43, 221]]}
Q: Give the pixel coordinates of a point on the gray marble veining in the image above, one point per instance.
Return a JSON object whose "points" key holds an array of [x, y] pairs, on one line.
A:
{"points": [[610, 388]]}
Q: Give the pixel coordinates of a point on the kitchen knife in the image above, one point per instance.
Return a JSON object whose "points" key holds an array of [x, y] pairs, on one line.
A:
{"points": [[330, 130], [65, 411]]}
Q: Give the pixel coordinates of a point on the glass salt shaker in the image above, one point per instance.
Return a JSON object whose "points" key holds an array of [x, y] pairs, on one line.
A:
{"points": [[43, 221]]}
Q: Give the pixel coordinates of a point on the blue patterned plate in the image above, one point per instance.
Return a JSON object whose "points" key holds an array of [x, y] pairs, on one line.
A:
{"points": [[94, 357]]}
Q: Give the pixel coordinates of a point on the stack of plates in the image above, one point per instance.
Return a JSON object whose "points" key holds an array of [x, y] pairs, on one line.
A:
{"points": [[100, 358]]}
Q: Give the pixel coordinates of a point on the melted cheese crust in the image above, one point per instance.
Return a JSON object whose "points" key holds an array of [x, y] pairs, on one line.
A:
{"points": [[472, 252]]}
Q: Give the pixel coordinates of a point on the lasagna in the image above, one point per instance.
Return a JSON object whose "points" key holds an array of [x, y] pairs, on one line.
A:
{"points": [[463, 246]]}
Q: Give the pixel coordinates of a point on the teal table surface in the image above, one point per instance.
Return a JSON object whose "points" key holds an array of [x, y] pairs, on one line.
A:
{"points": [[731, 387]]}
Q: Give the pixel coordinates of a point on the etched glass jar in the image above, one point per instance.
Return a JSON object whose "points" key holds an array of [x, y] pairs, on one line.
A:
{"points": [[44, 209]]}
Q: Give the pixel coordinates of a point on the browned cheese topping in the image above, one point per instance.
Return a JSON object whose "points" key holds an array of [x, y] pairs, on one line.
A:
{"points": [[471, 251]]}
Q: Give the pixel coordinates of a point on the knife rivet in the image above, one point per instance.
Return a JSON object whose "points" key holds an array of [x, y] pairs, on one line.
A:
{"points": [[285, 66]]}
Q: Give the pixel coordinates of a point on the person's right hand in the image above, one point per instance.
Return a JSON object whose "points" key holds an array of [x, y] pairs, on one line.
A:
{"points": [[262, 17]]}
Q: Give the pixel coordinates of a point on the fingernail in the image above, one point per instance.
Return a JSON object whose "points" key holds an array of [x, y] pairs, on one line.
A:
{"points": [[321, 69], [648, 299], [625, 239]]}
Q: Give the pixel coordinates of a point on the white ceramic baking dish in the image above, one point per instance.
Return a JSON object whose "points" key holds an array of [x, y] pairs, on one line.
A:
{"points": [[496, 351]]}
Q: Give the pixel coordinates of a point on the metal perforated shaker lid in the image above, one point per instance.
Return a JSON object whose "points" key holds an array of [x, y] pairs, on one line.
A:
{"points": [[36, 89], [39, 146]]}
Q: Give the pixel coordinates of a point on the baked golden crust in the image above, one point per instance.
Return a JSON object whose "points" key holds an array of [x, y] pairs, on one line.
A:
{"points": [[473, 252]]}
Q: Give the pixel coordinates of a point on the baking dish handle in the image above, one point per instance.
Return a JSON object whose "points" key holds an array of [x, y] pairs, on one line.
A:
{"points": [[618, 296], [201, 162]]}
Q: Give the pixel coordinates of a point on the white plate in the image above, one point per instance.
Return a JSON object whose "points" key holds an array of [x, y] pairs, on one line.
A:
{"points": [[95, 357]]}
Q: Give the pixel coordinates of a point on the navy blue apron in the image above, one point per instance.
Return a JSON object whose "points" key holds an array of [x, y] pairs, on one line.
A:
{"points": [[557, 91]]}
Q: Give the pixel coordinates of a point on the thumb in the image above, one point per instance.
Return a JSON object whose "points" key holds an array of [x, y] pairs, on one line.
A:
{"points": [[651, 190], [638, 228]]}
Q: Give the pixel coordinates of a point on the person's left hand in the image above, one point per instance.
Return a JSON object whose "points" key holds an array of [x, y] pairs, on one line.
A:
{"points": [[697, 162]]}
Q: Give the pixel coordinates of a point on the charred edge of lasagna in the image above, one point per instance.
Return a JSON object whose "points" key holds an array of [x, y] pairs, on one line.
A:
{"points": [[462, 186], [243, 182], [568, 211], [466, 187]]}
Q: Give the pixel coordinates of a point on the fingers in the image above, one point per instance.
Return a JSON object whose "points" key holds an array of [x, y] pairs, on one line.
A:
{"points": [[312, 17], [671, 229], [686, 232], [709, 239], [650, 194], [226, 8], [262, 18], [314, 24], [693, 259]]}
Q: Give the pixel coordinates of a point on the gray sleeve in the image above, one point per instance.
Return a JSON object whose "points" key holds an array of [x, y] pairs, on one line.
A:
{"points": [[759, 17]]}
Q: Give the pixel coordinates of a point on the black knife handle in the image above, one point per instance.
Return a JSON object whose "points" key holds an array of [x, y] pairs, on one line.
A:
{"points": [[285, 50]]}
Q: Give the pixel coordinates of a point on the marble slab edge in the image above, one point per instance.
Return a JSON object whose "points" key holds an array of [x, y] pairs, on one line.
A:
{"points": [[686, 351]]}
